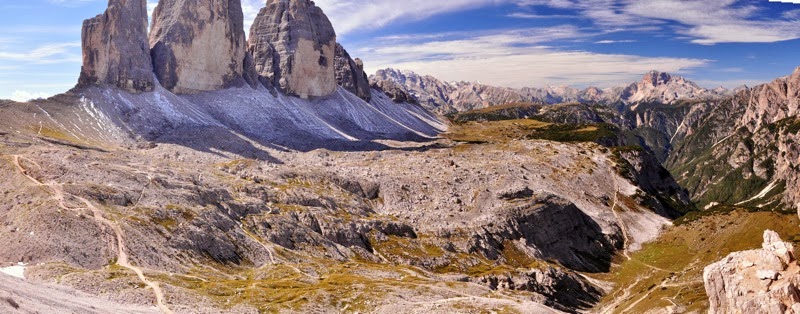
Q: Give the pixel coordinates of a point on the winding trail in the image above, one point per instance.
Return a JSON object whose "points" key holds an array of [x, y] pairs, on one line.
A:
{"points": [[662, 285], [122, 256], [618, 300], [271, 251], [620, 222]]}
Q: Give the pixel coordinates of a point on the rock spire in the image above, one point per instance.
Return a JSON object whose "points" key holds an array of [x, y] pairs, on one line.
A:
{"points": [[199, 45], [293, 46], [115, 48]]}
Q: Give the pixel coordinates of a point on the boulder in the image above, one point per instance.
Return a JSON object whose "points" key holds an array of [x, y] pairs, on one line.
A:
{"points": [[293, 46], [757, 281], [199, 45], [115, 49], [350, 74]]}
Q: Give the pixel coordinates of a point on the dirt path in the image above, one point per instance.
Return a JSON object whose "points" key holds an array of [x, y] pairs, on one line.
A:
{"points": [[122, 256], [618, 300], [662, 285], [620, 222], [271, 251]]}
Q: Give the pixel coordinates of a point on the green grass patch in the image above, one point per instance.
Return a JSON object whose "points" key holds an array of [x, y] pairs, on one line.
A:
{"points": [[576, 133], [671, 268]]}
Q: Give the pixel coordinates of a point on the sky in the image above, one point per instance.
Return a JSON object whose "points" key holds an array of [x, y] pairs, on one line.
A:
{"points": [[514, 43]]}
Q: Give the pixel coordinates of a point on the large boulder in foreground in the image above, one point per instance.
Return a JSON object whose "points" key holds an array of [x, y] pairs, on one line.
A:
{"points": [[293, 46], [115, 48], [198, 45], [350, 74], [757, 281]]}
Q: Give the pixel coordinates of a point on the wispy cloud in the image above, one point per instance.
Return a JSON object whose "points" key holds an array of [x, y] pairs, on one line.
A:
{"points": [[608, 41], [516, 58], [352, 15], [46, 54], [70, 3], [792, 14], [41, 29], [534, 16], [701, 21]]}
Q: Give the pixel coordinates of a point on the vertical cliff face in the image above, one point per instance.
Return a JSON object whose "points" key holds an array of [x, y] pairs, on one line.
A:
{"points": [[350, 74], [115, 49], [293, 46], [199, 45], [773, 101]]}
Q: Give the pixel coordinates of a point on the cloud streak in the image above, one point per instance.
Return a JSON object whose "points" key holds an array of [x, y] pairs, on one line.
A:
{"points": [[45, 54], [516, 58], [703, 22]]}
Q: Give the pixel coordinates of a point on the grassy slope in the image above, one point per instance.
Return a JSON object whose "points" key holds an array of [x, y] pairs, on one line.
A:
{"points": [[669, 271]]}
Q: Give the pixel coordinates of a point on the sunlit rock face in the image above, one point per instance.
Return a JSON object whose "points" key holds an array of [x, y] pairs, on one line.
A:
{"points": [[757, 281], [198, 45], [293, 46], [115, 49]]}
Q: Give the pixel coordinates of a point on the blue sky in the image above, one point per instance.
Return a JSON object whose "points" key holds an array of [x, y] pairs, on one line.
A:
{"points": [[501, 42]]}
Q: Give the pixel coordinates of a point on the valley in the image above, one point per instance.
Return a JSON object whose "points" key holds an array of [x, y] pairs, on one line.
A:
{"points": [[194, 169]]}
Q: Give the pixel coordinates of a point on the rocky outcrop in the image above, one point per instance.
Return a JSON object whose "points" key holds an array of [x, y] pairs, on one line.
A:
{"points": [[554, 287], [293, 46], [572, 237], [643, 169], [773, 102], [115, 49], [198, 45], [396, 91], [350, 74], [757, 281]]}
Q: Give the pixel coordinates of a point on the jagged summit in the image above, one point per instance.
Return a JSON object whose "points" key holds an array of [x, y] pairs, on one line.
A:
{"points": [[199, 46], [197, 67], [660, 87], [656, 78], [445, 98], [350, 74]]}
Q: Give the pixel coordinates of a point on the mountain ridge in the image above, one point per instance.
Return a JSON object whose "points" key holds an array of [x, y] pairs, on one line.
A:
{"points": [[285, 181], [451, 97]]}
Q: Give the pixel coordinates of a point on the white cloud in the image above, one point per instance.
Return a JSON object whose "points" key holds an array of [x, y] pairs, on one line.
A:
{"points": [[533, 16], [351, 15], [46, 54], [21, 96], [608, 42], [704, 22], [70, 3], [516, 59], [791, 14]]}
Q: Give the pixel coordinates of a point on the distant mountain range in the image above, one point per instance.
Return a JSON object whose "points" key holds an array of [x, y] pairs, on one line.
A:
{"points": [[198, 171], [451, 97]]}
